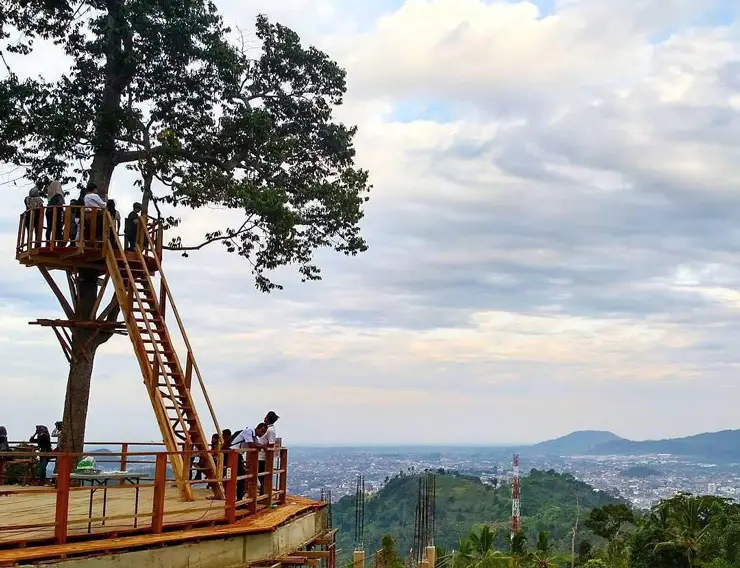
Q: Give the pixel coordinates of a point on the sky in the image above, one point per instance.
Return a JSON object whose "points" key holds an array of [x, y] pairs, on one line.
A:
{"points": [[554, 233]]}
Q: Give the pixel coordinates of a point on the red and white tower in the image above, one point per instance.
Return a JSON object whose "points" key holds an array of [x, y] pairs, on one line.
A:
{"points": [[515, 497]]}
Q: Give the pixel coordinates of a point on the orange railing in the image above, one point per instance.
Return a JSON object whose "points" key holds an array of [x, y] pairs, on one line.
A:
{"points": [[144, 501], [70, 227]]}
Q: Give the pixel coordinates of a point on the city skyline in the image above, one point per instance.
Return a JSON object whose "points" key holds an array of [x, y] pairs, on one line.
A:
{"points": [[552, 239]]}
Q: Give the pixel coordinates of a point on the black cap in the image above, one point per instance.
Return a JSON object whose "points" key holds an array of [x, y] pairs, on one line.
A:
{"points": [[271, 417]]}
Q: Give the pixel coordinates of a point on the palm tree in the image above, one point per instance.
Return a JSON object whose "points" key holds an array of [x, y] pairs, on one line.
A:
{"points": [[477, 551], [688, 521], [543, 556], [518, 549]]}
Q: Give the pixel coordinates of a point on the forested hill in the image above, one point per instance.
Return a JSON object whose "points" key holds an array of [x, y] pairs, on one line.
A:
{"points": [[548, 502]]}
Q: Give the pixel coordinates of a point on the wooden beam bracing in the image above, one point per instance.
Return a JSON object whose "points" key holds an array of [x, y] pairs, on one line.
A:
{"points": [[101, 293]]}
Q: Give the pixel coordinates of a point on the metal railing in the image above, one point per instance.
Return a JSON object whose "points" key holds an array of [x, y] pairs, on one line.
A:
{"points": [[141, 500]]}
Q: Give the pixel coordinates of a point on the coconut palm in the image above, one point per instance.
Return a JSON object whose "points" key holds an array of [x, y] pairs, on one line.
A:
{"points": [[477, 551], [543, 556], [688, 523]]}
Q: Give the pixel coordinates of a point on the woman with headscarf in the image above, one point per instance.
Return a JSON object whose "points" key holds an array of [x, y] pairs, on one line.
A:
{"points": [[55, 197], [34, 221]]}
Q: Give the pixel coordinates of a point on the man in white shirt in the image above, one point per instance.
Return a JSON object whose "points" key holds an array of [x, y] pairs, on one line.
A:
{"points": [[268, 439], [247, 438], [92, 199]]}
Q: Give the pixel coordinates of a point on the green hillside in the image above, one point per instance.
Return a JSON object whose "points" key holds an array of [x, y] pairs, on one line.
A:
{"points": [[548, 502]]}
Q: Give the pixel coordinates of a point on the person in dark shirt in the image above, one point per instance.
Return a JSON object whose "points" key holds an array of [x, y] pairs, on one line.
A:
{"points": [[131, 227], [42, 439]]}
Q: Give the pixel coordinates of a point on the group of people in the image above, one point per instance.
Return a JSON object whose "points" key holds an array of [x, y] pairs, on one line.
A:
{"points": [[42, 438], [88, 200], [261, 437]]}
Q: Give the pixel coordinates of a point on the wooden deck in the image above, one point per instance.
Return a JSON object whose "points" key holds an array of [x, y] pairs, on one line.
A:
{"points": [[183, 522]]}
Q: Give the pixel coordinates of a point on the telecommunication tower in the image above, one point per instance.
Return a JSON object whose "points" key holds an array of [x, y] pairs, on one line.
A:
{"points": [[515, 497]]}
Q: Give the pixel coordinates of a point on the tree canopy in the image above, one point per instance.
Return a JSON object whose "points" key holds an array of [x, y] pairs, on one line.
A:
{"points": [[165, 88]]}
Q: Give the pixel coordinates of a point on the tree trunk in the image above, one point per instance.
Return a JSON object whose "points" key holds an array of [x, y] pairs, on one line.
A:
{"points": [[76, 401], [85, 343], [101, 172]]}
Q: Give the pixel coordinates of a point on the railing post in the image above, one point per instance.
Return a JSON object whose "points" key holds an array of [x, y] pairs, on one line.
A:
{"points": [[124, 459], [160, 487], [269, 473], [253, 487], [64, 470], [283, 482], [232, 472]]}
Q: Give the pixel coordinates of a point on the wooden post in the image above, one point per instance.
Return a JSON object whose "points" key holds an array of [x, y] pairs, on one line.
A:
{"points": [[283, 482], [431, 556], [2, 471], [358, 559], [232, 472], [160, 487], [124, 459], [253, 487], [270, 471], [64, 469], [188, 370]]}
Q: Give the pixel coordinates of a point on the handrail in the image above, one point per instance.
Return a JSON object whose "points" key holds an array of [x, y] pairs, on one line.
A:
{"points": [[53, 228], [184, 335], [71, 520]]}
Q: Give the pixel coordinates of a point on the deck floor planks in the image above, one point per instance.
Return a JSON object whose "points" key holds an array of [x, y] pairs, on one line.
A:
{"points": [[29, 508]]}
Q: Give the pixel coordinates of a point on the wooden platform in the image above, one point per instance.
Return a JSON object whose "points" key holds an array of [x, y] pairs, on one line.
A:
{"points": [[183, 522]]}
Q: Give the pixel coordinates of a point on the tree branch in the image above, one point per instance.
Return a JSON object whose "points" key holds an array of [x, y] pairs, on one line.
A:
{"points": [[241, 230]]}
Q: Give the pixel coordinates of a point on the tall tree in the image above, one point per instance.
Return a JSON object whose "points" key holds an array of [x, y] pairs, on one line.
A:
{"points": [[156, 86]]}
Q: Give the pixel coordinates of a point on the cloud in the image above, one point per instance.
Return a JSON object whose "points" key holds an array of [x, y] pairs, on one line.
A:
{"points": [[553, 239]]}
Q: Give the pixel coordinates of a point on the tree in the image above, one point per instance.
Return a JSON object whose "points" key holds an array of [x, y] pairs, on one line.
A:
{"points": [[518, 548], [608, 520], [477, 551], [389, 557], [688, 525], [156, 86], [544, 556]]}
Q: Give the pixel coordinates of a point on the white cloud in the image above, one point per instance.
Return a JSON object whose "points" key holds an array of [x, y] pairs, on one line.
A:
{"points": [[556, 252]]}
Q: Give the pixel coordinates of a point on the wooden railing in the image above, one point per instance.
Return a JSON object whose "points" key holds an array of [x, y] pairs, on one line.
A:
{"points": [[146, 502], [70, 227]]}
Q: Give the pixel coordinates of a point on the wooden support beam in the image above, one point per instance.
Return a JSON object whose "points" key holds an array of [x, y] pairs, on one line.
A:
{"points": [[70, 313], [294, 560], [101, 293], [65, 347], [315, 553], [103, 325], [72, 283]]}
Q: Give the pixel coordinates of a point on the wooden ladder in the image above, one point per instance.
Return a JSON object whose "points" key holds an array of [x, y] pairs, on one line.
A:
{"points": [[167, 384]]}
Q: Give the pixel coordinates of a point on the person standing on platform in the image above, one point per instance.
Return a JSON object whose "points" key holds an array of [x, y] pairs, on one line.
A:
{"points": [[42, 439], [130, 229], [55, 197], [247, 438], [34, 206], [268, 439], [93, 203]]}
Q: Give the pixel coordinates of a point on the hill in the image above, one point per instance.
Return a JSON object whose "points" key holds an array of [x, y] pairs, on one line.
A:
{"points": [[716, 446], [640, 471], [581, 442], [548, 503]]}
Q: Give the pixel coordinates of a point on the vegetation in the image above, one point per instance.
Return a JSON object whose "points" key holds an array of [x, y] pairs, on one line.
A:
{"points": [[158, 87], [684, 531], [641, 471], [549, 503]]}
